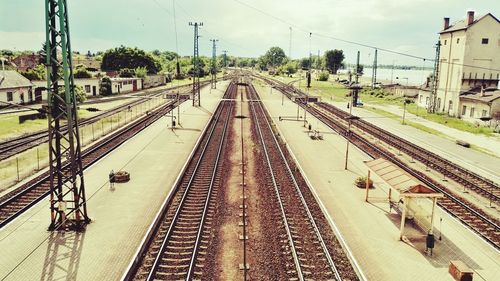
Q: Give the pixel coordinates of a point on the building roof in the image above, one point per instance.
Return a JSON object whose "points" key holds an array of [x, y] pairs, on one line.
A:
{"points": [[487, 96], [12, 79], [462, 24]]}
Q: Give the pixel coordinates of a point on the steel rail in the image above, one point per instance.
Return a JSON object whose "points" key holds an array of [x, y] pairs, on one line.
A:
{"points": [[333, 267], [425, 180], [143, 121], [157, 261]]}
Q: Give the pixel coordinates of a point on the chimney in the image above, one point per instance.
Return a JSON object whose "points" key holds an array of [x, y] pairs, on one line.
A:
{"points": [[482, 91], [470, 17], [446, 23]]}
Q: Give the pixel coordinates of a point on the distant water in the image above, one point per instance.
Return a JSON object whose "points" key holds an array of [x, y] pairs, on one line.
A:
{"points": [[415, 77]]}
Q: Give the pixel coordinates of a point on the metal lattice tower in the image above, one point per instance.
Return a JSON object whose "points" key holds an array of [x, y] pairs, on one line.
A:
{"points": [[374, 73], [196, 65], [67, 190], [431, 108], [225, 58], [213, 69]]}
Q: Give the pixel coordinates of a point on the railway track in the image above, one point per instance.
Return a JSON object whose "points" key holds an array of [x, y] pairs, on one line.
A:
{"points": [[464, 177], [21, 199], [175, 246], [9, 148], [468, 213], [308, 256], [473, 217]]}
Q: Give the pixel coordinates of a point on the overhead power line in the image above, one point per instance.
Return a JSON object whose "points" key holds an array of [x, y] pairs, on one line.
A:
{"points": [[319, 34]]}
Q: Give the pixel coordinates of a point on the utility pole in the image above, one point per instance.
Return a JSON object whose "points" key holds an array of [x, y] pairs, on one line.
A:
{"points": [[213, 71], [67, 189], [431, 108], [355, 88], [225, 58], [196, 65], [310, 62], [374, 73]]}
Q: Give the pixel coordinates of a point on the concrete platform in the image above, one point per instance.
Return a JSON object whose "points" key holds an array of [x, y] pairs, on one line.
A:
{"points": [[120, 216], [371, 230]]}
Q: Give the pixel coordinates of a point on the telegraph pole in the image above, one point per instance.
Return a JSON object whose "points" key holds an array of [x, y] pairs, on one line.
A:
{"points": [[196, 65], [213, 71], [355, 88], [67, 189], [374, 73], [225, 58], [431, 108]]}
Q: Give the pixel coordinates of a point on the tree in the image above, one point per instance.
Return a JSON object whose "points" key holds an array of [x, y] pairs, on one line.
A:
{"points": [[105, 89], [360, 70], [141, 72], [81, 72], [36, 73], [304, 63], [126, 72], [334, 60], [80, 94], [125, 57], [290, 67], [274, 57]]}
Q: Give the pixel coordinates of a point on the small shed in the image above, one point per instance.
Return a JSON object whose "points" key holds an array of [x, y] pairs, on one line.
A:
{"points": [[406, 185]]}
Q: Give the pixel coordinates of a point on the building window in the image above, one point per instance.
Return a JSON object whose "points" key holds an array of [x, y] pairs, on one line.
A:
{"points": [[472, 112], [87, 88], [483, 113], [464, 109], [484, 41], [9, 96], [445, 41], [420, 101], [427, 101], [458, 40]]}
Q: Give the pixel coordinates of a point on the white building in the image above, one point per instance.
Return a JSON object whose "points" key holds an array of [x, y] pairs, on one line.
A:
{"points": [[469, 57], [89, 85], [120, 85], [15, 88]]}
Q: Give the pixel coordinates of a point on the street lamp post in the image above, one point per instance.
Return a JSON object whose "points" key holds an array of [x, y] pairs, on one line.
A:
{"points": [[406, 101], [348, 135]]}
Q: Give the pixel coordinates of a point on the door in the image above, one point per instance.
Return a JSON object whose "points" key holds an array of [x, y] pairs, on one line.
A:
{"points": [[94, 90], [134, 85]]}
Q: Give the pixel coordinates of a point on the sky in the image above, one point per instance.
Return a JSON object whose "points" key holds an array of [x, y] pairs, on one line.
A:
{"points": [[247, 27]]}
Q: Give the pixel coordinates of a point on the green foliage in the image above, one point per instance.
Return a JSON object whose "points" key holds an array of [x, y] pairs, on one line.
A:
{"points": [[36, 73], [81, 72], [141, 72], [274, 57], [323, 76], [360, 70], [126, 72], [290, 67], [125, 57], [304, 63], [334, 60], [105, 87], [80, 94]]}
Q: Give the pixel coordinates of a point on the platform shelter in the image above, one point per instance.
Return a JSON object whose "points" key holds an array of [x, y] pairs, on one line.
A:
{"points": [[410, 191]]}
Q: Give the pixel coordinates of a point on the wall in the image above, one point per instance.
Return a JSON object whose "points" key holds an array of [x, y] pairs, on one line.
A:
{"points": [[16, 95], [423, 98], [478, 111], [125, 85], [154, 81], [86, 84]]}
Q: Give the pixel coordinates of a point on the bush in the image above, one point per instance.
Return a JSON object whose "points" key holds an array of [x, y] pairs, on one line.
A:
{"points": [[323, 76], [81, 72], [105, 89], [361, 182]]}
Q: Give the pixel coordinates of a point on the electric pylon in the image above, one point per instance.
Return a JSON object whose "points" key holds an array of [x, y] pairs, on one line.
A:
{"points": [[225, 58], [213, 69], [431, 108], [196, 65], [67, 190]]}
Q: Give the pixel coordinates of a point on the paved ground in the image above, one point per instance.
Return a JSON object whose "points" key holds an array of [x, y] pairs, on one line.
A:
{"points": [[120, 216], [371, 230], [481, 163]]}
